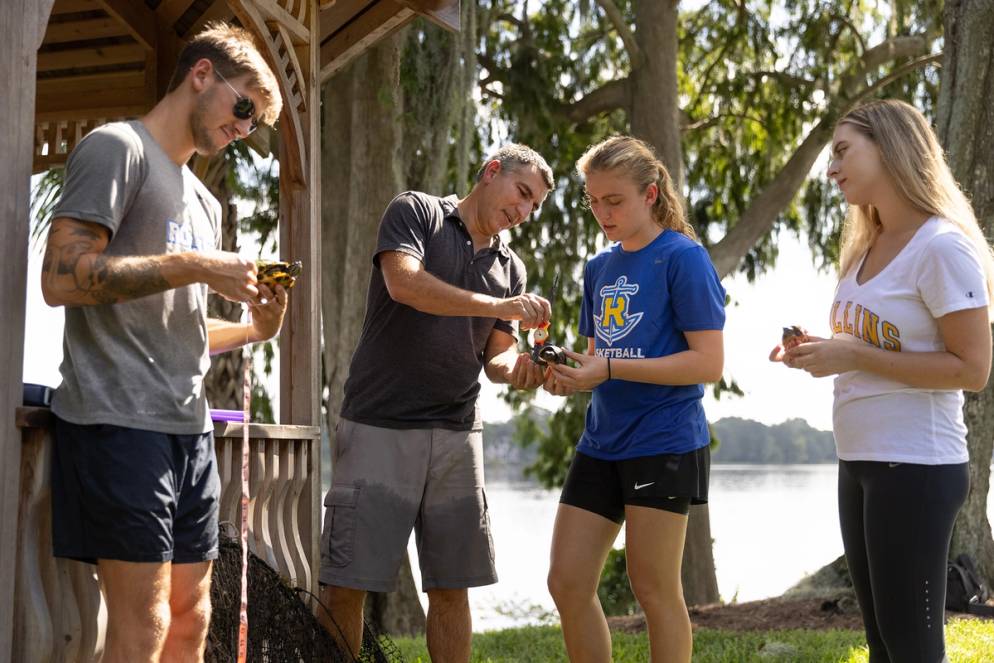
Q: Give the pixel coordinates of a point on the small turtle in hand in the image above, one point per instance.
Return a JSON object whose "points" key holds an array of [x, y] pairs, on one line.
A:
{"points": [[793, 336], [277, 272]]}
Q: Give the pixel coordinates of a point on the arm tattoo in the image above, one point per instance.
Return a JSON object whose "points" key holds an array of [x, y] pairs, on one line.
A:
{"points": [[75, 265]]}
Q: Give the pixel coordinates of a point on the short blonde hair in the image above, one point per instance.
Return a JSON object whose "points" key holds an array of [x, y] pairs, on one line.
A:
{"points": [[234, 53], [637, 161]]}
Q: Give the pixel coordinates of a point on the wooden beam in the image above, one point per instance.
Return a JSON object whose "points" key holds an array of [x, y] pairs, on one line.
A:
{"points": [[445, 14], [169, 11], [136, 17], [66, 105], [18, 51], [93, 28], [219, 11], [134, 109], [274, 12], [337, 15], [90, 57], [358, 35], [300, 238], [69, 85], [74, 6]]}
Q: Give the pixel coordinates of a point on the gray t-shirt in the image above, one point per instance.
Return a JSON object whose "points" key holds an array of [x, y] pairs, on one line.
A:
{"points": [[413, 369], [140, 363]]}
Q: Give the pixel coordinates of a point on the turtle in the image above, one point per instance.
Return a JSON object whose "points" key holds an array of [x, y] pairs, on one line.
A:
{"points": [[793, 336], [278, 272], [543, 354]]}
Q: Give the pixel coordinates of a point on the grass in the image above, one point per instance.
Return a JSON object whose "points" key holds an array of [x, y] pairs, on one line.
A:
{"points": [[967, 641]]}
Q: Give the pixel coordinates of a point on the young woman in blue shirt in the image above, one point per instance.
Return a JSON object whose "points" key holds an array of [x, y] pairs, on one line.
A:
{"points": [[653, 311]]}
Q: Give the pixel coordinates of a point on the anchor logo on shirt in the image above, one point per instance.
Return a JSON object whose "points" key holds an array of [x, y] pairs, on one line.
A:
{"points": [[615, 321]]}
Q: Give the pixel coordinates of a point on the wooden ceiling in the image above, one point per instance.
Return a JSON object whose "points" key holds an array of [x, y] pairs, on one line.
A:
{"points": [[103, 60]]}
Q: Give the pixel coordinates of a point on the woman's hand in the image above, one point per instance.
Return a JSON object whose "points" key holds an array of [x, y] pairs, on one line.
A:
{"points": [[822, 357], [554, 385], [590, 371], [777, 353]]}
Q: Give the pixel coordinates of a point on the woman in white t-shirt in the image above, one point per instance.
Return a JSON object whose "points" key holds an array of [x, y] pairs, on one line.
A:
{"points": [[910, 331]]}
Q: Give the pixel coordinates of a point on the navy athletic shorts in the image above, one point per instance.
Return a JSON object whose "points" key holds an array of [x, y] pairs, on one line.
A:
{"points": [[133, 495]]}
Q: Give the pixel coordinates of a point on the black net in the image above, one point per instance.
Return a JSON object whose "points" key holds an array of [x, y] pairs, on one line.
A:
{"points": [[282, 627]]}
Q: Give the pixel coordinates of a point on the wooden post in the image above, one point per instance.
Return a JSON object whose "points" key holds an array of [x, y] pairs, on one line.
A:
{"points": [[18, 60], [300, 237]]}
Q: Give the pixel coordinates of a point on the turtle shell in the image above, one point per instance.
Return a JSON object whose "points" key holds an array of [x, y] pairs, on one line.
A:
{"points": [[278, 272]]}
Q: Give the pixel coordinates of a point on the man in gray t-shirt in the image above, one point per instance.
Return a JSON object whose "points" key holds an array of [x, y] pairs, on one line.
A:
{"points": [[131, 254], [443, 292]]}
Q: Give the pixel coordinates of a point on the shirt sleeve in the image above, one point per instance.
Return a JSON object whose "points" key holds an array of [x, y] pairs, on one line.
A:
{"points": [[951, 276], [696, 294], [404, 227], [103, 175]]}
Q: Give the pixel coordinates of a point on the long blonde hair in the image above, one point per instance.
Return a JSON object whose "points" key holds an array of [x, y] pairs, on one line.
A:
{"points": [[637, 161], [913, 158]]}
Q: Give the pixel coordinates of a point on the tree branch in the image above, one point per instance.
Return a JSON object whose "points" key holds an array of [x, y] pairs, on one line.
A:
{"points": [[763, 210], [624, 31], [784, 78], [709, 122], [610, 96], [917, 63]]}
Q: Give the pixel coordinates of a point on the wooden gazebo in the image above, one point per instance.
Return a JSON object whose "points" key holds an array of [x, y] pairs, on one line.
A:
{"points": [[67, 66]]}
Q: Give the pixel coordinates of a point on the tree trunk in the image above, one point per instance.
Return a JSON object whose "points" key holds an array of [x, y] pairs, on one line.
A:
{"points": [[360, 175], [655, 118], [655, 110], [966, 128]]}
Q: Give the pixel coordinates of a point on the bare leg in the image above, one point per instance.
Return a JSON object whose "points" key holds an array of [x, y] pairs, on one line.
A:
{"points": [[450, 625], [654, 549], [345, 605], [581, 541], [137, 596], [190, 608]]}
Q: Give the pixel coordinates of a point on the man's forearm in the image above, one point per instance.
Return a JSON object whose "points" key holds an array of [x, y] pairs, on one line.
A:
{"points": [[224, 335], [429, 294], [72, 277], [498, 368]]}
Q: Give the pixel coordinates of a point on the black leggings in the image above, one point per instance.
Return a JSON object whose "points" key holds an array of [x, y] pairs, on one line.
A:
{"points": [[897, 520]]}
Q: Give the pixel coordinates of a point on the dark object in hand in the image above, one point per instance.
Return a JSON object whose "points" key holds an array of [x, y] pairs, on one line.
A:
{"points": [[544, 355], [275, 272], [793, 336]]}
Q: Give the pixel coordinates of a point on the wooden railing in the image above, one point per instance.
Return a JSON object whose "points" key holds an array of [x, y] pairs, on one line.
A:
{"points": [[59, 613]]}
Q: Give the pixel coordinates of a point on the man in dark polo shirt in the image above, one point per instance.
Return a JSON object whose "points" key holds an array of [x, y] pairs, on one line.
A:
{"points": [[443, 293]]}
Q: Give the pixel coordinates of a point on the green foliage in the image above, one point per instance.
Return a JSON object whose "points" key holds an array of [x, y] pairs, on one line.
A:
{"points": [[614, 589], [793, 441], [44, 196], [967, 641], [255, 180]]}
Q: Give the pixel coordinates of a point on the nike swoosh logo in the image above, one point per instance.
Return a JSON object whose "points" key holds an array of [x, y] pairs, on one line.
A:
{"points": [[639, 486], [893, 464]]}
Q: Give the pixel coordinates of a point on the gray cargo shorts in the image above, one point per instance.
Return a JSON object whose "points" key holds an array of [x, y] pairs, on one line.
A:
{"points": [[386, 482]]}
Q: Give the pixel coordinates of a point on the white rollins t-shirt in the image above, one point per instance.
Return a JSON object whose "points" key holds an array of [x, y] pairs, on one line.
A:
{"points": [[880, 419]]}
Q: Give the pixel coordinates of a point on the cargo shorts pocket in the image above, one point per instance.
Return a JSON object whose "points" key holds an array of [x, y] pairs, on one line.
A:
{"points": [[341, 517]]}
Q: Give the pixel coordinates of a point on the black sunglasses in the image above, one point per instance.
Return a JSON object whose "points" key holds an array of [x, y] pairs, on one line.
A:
{"points": [[244, 108]]}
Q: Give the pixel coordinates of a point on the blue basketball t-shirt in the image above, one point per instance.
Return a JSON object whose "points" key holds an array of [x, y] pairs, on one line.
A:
{"points": [[637, 305]]}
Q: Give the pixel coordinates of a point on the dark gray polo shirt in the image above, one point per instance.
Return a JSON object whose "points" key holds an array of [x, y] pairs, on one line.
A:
{"points": [[413, 369]]}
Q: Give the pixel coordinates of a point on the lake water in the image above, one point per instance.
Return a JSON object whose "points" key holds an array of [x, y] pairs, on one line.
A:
{"points": [[772, 524]]}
